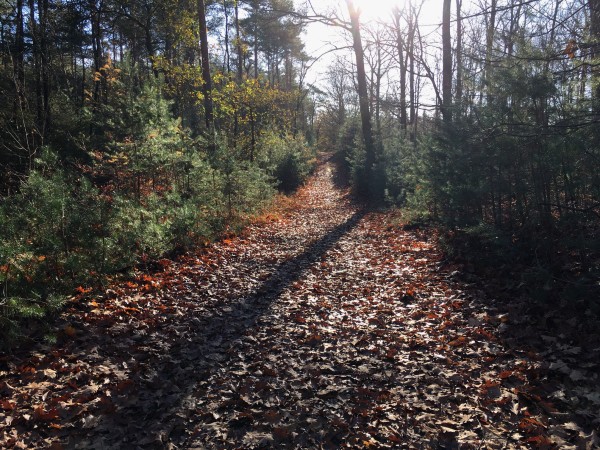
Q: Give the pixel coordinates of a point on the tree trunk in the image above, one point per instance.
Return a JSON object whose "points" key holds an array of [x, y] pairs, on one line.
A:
{"points": [[489, 45], [255, 32], [412, 26], [150, 45], [446, 64], [378, 77], [363, 95], [96, 49], [207, 85], [19, 70], [594, 6], [402, 61], [44, 68], [459, 62], [35, 48], [238, 44], [226, 63]]}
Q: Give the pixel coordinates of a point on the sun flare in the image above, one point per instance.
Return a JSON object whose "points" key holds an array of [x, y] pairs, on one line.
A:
{"points": [[377, 9]]}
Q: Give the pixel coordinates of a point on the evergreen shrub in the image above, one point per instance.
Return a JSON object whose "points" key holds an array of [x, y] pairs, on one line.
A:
{"points": [[287, 159], [144, 188]]}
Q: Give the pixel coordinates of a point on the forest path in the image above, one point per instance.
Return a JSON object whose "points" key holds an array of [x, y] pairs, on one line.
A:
{"points": [[322, 327]]}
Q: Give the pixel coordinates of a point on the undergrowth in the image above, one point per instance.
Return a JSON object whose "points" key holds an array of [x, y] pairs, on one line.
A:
{"points": [[66, 228]]}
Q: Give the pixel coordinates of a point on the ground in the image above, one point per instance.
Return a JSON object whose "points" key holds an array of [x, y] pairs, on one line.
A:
{"points": [[322, 326]]}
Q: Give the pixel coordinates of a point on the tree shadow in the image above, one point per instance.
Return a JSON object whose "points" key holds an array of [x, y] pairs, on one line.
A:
{"points": [[153, 409], [544, 318]]}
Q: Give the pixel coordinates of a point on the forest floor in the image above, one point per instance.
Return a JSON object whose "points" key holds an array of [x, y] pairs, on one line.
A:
{"points": [[321, 326]]}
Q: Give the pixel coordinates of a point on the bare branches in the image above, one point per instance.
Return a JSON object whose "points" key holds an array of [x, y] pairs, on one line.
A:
{"points": [[331, 18]]}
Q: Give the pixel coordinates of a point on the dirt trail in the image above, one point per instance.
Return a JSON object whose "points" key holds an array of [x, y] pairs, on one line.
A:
{"points": [[327, 327]]}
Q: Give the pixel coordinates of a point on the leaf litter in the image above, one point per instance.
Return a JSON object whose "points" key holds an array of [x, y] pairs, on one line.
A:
{"points": [[320, 326]]}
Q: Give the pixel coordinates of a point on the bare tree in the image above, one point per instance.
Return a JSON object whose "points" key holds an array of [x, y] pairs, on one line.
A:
{"points": [[363, 94], [446, 64], [402, 60], [594, 6], [459, 56]]}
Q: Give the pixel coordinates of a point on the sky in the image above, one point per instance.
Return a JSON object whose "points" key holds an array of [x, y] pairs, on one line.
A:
{"points": [[319, 38]]}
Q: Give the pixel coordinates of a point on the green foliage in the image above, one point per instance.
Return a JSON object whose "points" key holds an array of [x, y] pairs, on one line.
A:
{"points": [[351, 155], [196, 204], [242, 186], [163, 193], [129, 172], [288, 159], [51, 231], [384, 182], [409, 177], [140, 231], [59, 232], [18, 313]]}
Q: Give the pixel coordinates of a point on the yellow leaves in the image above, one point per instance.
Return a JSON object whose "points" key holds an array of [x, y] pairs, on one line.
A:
{"points": [[252, 103], [107, 66], [184, 78], [219, 78], [184, 28], [108, 72], [241, 44]]}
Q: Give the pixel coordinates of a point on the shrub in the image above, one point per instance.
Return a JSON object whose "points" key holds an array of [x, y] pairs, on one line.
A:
{"points": [[153, 190], [347, 153], [288, 159], [51, 240]]}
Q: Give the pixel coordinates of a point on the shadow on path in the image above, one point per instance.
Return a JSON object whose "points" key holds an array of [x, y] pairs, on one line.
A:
{"points": [[156, 410]]}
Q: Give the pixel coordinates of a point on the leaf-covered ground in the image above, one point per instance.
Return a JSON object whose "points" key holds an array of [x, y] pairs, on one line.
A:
{"points": [[322, 326]]}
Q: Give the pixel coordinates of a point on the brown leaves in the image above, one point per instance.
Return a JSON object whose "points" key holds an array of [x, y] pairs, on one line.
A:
{"points": [[458, 342], [42, 415], [365, 341], [571, 48], [7, 405]]}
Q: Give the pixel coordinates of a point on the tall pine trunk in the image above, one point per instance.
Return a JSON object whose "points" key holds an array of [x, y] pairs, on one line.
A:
{"points": [[489, 46], [18, 58], [446, 64], [594, 6], [207, 80], [238, 44], [412, 29], [459, 57], [363, 95], [226, 61], [402, 62], [44, 68]]}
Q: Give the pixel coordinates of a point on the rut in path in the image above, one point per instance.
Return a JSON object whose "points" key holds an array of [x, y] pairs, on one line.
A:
{"points": [[328, 327]]}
